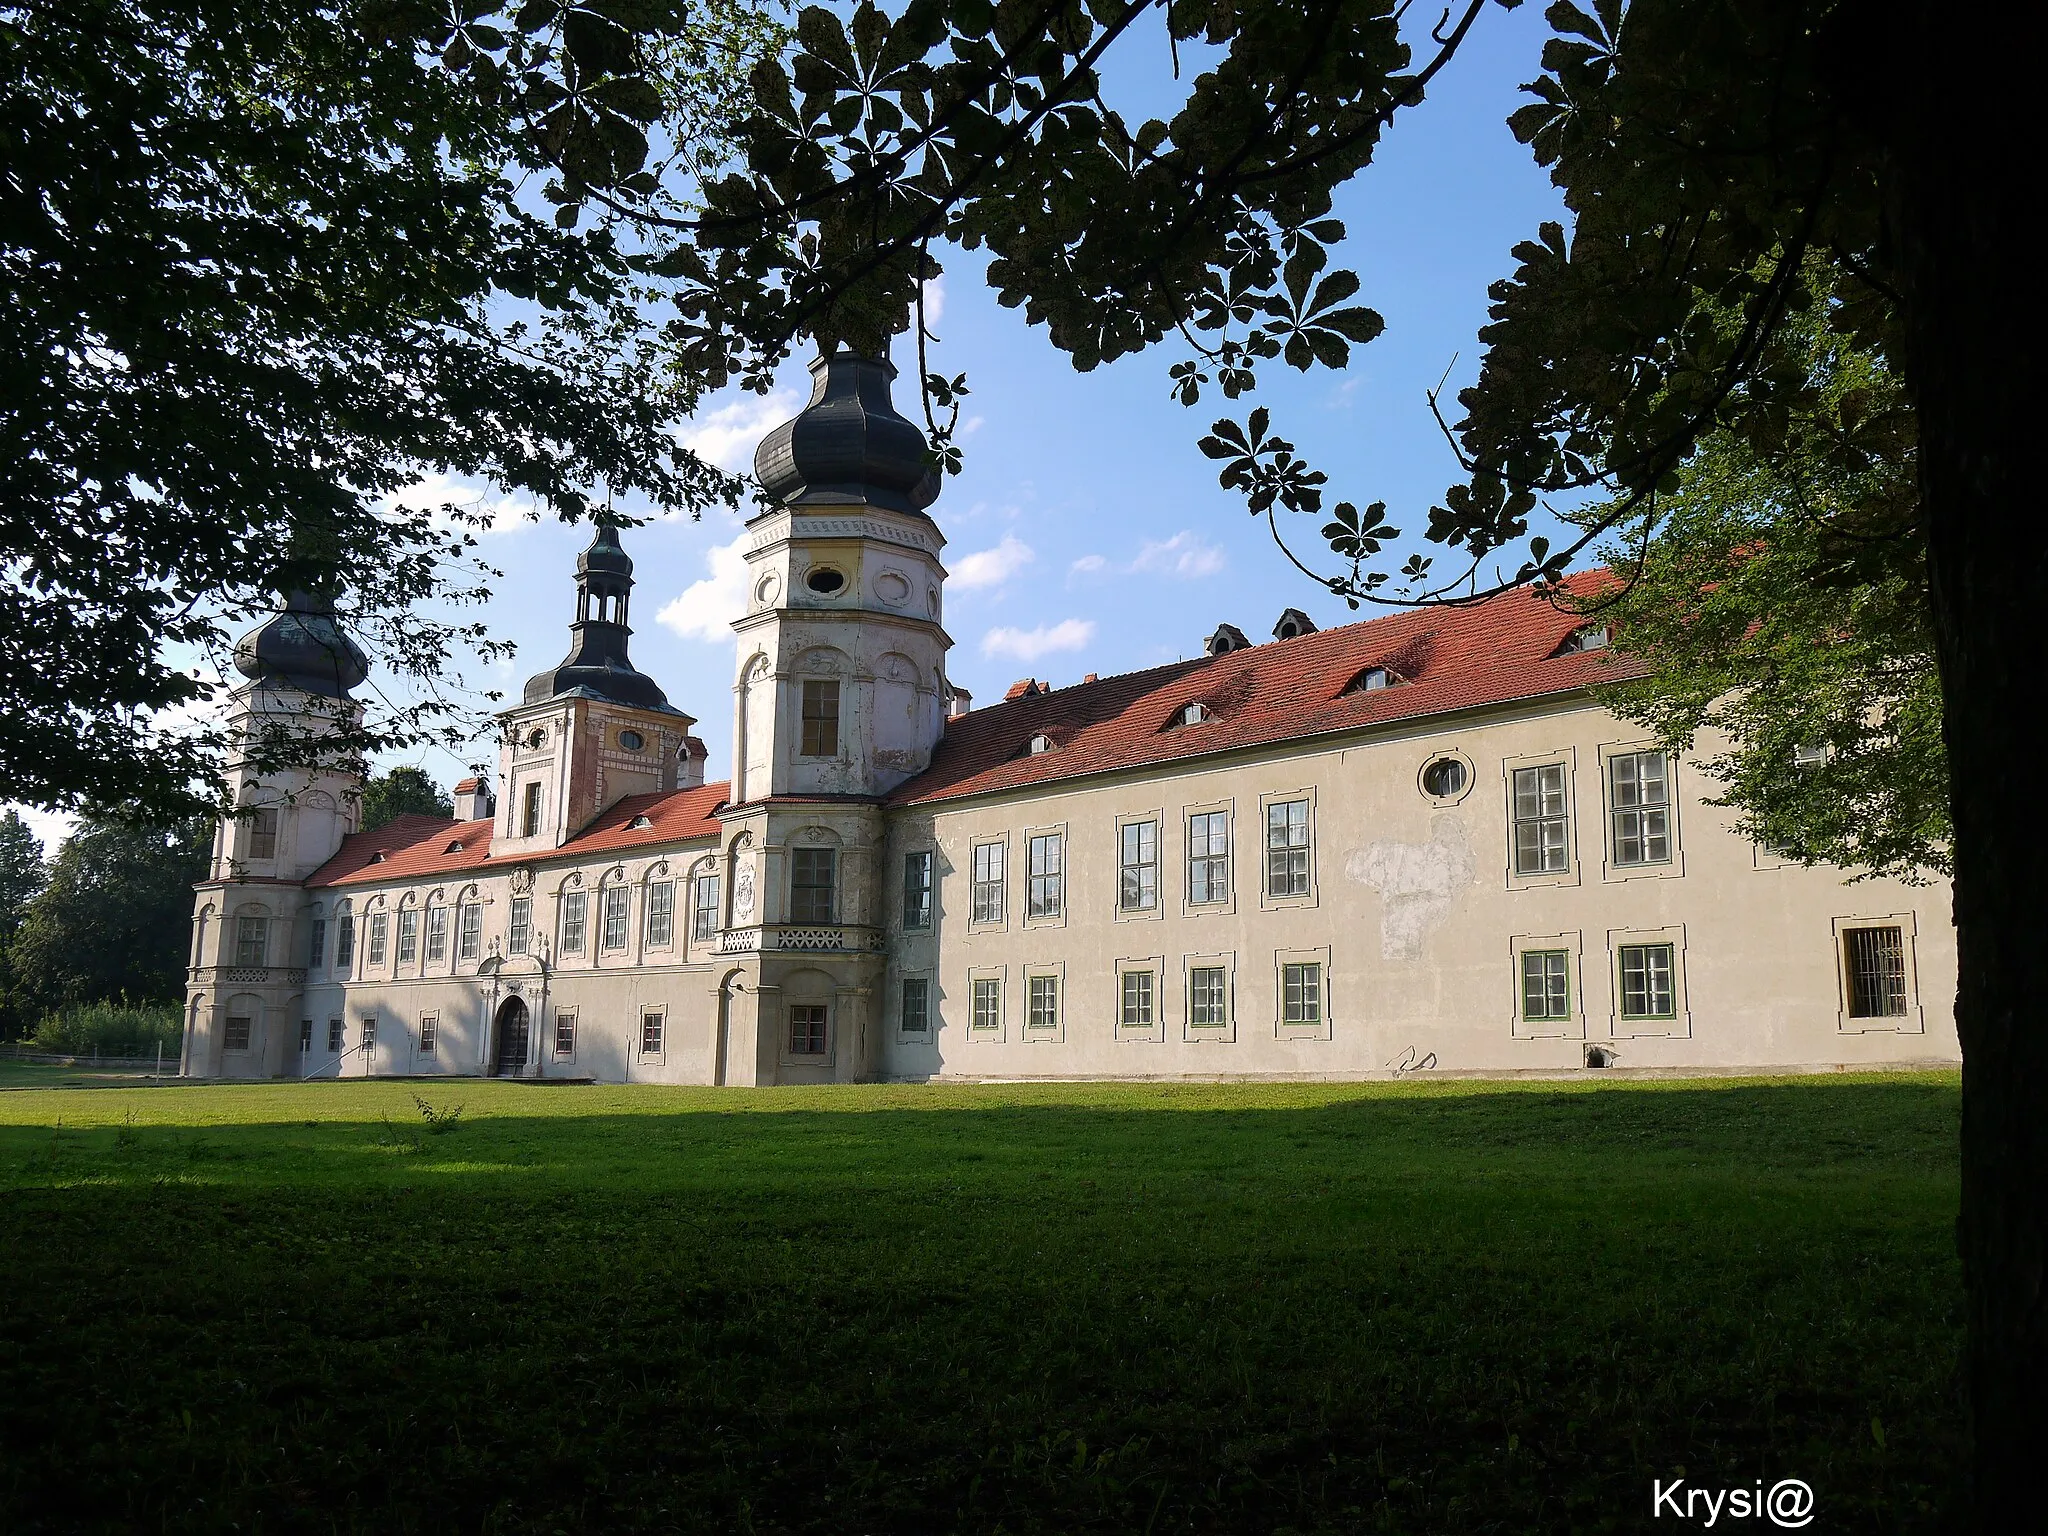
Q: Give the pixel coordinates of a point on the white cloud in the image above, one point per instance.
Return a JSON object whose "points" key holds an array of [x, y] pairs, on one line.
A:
{"points": [[934, 300], [707, 608], [505, 514], [1089, 565], [1184, 555], [729, 435], [1030, 644], [992, 567]]}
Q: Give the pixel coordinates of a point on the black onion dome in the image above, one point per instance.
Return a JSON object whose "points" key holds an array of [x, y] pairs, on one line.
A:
{"points": [[303, 647], [597, 666], [849, 444], [605, 553]]}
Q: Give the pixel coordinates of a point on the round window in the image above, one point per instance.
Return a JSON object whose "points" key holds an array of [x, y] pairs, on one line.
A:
{"points": [[1444, 778], [632, 741], [537, 737], [825, 579]]}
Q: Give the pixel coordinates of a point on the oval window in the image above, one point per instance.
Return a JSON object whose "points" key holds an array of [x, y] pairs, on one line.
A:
{"points": [[538, 737], [1444, 777], [825, 579], [632, 741]]}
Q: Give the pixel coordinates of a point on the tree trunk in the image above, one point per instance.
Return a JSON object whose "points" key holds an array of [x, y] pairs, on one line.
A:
{"points": [[1956, 203]]}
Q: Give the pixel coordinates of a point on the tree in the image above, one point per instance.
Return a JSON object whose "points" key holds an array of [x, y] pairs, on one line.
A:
{"points": [[1707, 153], [1780, 600], [21, 876], [404, 791], [260, 271], [114, 921]]}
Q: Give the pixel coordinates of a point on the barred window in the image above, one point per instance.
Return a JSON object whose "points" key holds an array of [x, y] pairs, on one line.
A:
{"points": [[1542, 828], [1875, 962], [437, 934], [565, 1034], [617, 907], [988, 883], [1047, 894], [650, 1033], [1138, 879], [1639, 807], [812, 872], [704, 907], [1208, 987], [430, 1029], [575, 907], [820, 718], [1044, 1012], [318, 947], [661, 913], [1209, 858], [807, 1029], [988, 1005], [252, 936], [263, 834], [1546, 984], [917, 1005], [1647, 990], [236, 1036], [1287, 848], [379, 927], [408, 935], [917, 889], [519, 930], [1138, 991], [469, 931], [1301, 993]]}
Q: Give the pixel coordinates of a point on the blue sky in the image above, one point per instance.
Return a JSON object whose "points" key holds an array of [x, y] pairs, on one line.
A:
{"points": [[1087, 533]]}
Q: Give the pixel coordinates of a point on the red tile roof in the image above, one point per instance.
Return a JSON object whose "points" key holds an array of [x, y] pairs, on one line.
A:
{"points": [[419, 846], [468, 786], [1494, 652]]}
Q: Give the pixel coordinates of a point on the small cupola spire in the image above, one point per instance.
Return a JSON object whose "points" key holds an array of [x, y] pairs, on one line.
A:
{"points": [[597, 665]]}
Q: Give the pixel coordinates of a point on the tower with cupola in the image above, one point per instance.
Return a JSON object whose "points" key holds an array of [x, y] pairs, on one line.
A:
{"points": [[292, 802], [839, 696]]}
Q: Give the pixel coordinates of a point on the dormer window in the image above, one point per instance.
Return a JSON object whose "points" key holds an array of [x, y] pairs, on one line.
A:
{"points": [[1189, 714], [1373, 679], [1037, 744], [377, 857], [640, 823], [1593, 637], [454, 847]]}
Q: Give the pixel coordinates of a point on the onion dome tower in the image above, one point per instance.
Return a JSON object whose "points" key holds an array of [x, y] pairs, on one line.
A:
{"points": [[597, 666], [302, 647], [849, 445]]}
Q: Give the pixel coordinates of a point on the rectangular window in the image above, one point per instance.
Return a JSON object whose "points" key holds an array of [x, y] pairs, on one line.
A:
{"points": [[988, 883], [437, 934], [811, 877], [1542, 842], [430, 1029], [988, 1005], [319, 944], [263, 835], [469, 931], [1138, 878], [1874, 960], [370, 1033], [575, 906], [305, 1036], [380, 927], [821, 718], [335, 1039], [1639, 807], [650, 1033], [519, 930], [1044, 999], [1208, 997], [917, 889], [565, 1034], [1208, 858], [236, 1036], [1048, 892], [250, 936], [704, 907], [661, 913], [807, 1029], [1546, 984], [344, 942], [408, 935], [917, 1005], [617, 903], [1138, 992], [1301, 993], [1287, 848], [1647, 991], [529, 816]]}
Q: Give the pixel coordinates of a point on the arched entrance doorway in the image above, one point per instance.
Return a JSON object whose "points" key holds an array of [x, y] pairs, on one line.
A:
{"points": [[509, 1059]]}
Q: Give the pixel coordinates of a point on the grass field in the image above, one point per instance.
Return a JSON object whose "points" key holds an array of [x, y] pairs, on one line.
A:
{"points": [[1263, 1308]]}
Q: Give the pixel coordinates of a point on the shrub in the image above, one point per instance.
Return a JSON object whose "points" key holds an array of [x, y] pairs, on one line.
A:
{"points": [[110, 1029]]}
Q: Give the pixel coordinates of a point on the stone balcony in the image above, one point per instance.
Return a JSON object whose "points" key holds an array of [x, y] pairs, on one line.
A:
{"points": [[814, 938]]}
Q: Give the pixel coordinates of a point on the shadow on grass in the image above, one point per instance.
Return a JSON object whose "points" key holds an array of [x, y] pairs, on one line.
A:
{"points": [[1175, 1309]]}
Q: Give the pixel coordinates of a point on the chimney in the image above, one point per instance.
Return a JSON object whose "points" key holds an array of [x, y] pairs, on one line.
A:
{"points": [[474, 800], [1023, 688], [958, 702], [690, 763]]}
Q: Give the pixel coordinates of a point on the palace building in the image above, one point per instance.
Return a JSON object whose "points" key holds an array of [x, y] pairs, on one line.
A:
{"points": [[1411, 845]]}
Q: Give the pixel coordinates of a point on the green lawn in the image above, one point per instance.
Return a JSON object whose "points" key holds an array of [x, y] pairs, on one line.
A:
{"points": [[1410, 1307], [37, 1074]]}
